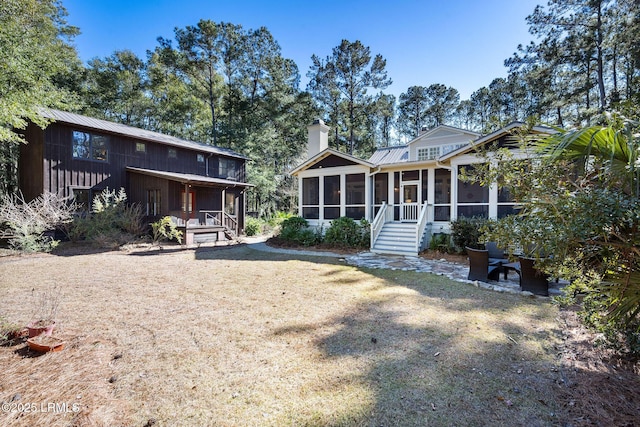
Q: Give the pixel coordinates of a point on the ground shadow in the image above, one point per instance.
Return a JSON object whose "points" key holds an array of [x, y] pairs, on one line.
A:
{"points": [[438, 373]]}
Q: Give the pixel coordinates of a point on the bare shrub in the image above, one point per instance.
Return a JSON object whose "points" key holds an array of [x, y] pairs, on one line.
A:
{"points": [[28, 222]]}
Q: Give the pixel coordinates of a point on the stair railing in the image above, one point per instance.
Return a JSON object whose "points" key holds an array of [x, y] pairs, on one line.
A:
{"points": [[378, 223], [422, 223]]}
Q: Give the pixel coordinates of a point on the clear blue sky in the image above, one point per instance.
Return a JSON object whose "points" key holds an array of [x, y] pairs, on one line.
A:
{"points": [[459, 43]]}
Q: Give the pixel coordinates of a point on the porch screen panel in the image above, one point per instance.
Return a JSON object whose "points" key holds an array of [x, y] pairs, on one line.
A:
{"points": [[506, 203], [442, 188], [355, 196], [310, 198], [396, 196], [425, 185], [380, 191], [332, 197], [473, 198]]}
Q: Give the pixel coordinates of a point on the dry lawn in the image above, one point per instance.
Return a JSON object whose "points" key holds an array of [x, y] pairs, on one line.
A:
{"points": [[237, 337]]}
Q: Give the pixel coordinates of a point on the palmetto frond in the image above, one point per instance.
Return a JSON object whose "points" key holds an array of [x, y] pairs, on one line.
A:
{"points": [[615, 149]]}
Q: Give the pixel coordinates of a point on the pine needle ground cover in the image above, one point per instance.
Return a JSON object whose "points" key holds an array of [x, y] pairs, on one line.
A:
{"points": [[236, 337]]}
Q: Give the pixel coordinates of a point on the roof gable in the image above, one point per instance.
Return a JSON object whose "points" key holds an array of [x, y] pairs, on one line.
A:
{"points": [[331, 158], [441, 133], [504, 136]]}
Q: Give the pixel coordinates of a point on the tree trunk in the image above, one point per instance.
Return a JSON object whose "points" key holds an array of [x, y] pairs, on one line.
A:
{"points": [[212, 106], [599, 37]]}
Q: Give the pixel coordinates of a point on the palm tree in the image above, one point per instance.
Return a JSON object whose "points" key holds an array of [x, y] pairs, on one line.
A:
{"points": [[608, 184]]}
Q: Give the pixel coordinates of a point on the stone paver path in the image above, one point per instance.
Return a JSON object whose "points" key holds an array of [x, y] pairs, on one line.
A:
{"points": [[452, 270]]}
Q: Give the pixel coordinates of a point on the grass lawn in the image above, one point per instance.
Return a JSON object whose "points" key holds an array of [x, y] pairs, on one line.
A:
{"points": [[237, 337]]}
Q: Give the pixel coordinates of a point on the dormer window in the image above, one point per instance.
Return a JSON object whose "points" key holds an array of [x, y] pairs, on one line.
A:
{"points": [[428, 153]]}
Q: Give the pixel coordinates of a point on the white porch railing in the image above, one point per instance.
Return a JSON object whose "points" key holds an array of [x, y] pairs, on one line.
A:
{"points": [[409, 211], [422, 223], [384, 215]]}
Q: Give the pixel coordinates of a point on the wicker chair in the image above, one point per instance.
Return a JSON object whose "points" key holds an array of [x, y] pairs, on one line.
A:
{"points": [[496, 256], [479, 266], [532, 279]]}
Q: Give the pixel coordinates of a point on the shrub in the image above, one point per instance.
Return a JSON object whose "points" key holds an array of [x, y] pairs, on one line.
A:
{"points": [[29, 222], [111, 222], [278, 218], [345, 232], [294, 229], [253, 227], [467, 232], [165, 229], [440, 242]]}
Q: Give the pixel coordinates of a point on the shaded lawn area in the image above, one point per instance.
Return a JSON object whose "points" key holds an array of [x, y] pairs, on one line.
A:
{"points": [[236, 337]]}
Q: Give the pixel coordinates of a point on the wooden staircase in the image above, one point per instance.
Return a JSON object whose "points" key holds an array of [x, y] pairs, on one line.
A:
{"points": [[397, 238]]}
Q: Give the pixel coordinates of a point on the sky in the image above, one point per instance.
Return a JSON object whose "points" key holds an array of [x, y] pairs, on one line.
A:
{"points": [[458, 43]]}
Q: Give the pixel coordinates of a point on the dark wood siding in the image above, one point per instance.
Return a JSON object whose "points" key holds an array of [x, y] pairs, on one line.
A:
{"points": [[30, 166], [61, 171]]}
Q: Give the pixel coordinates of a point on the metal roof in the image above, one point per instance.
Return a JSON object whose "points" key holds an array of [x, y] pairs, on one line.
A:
{"points": [[189, 178], [388, 155], [130, 131]]}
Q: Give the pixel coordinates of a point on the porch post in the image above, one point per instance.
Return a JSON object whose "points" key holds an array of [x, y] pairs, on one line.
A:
{"points": [[453, 215], [299, 196], [343, 194], [390, 191], [367, 198], [493, 194], [185, 212]]}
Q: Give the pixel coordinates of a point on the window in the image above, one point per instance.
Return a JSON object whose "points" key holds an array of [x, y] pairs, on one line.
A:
{"points": [[89, 146], [355, 196], [153, 202], [310, 198], [172, 153], [230, 203], [192, 199], [82, 198], [141, 147], [227, 169], [200, 158], [428, 153], [413, 175]]}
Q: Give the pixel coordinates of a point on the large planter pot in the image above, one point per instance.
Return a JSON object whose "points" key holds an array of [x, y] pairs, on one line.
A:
{"points": [[41, 327], [45, 343]]}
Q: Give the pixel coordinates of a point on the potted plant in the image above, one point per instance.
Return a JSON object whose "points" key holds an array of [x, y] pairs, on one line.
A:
{"points": [[45, 343], [46, 309]]}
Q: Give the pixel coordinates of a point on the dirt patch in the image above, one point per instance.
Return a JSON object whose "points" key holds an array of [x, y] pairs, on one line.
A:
{"points": [[596, 386], [277, 242], [436, 255]]}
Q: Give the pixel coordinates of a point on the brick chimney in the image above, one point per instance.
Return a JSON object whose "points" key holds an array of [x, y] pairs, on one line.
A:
{"points": [[318, 137]]}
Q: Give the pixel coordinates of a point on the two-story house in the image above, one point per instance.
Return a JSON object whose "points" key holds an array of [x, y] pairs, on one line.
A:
{"points": [[408, 192], [201, 186]]}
